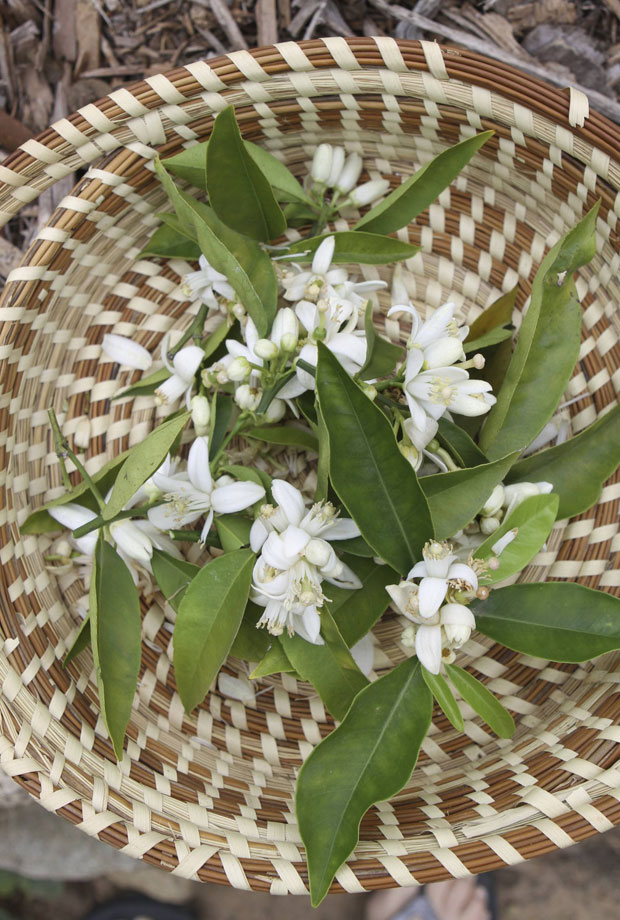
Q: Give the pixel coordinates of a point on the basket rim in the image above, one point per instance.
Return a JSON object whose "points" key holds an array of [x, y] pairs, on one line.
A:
{"points": [[564, 108]]}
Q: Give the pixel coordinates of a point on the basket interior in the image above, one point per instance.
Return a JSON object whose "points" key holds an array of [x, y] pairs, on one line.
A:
{"points": [[211, 795]]}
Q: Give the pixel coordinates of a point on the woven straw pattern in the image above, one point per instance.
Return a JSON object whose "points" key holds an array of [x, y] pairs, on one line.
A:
{"points": [[210, 796]]}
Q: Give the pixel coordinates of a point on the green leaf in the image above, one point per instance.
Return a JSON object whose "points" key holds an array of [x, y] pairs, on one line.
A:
{"points": [[561, 621], [146, 386], [167, 244], [41, 521], [578, 467], [143, 459], [355, 246], [288, 435], [367, 759], [172, 575], [373, 480], [248, 474], [419, 191], [455, 498], [440, 689], [356, 546], [207, 622], [464, 450], [547, 346], [191, 164], [533, 520], [492, 337], [223, 404], [306, 403], [216, 338], [238, 191], [382, 355], [251, 643], [482, 701], [247, 267], [499, 313], [330, 667], [277, 174], [274, 662], [356, 612], [114, 611], [81, 641], [233, 531]]}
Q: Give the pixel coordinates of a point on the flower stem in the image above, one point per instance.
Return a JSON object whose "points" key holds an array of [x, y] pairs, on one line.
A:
{"points": [[239, 425], [194, 331], [61, 446]]}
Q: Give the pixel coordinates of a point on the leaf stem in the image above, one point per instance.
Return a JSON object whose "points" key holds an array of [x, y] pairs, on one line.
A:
{"points": [[138, 511], [61, 446]]}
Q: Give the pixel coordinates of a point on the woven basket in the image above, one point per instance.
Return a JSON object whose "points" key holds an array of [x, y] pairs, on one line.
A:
{"points": [[210, 796]]}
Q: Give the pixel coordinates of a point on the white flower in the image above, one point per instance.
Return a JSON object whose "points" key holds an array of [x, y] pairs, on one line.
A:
{"points": [[310, 283], [206, 284], [71, 516], [441, 575], [335, 167], [452, 631], [125, 351], [446, 388], [295, 558], [190, 495], [248, 398], [182, 369], [81, 435], [494, 502], [519, 491]]}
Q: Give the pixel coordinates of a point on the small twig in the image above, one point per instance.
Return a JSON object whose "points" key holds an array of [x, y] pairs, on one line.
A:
{"points": [[226, 21], [266, 22], [194, 331], [61, 446]]}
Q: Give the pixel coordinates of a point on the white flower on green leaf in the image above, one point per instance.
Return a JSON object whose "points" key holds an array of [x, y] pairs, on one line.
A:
{"points": [[441, 575], [295, 558], [193, 494], [206, 285], [182, 369]]}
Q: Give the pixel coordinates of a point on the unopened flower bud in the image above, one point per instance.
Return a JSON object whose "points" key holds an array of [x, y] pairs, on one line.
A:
{"points": [[318, 552], [479, 361], [489, 525], [81, 435], [266, 349], [349, 174], [238, 310], [285, 329], [443, 352], [369, 191], [201, 415], [248, 397], [222, 377], [275, 410], [370, 391], [126, 352], [407, 637], [336, 167], [457, 635], [322, 163], [239, 369], [494, 502]]}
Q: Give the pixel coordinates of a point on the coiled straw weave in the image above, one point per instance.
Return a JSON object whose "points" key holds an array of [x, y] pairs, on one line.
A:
{"points": [[210, 796]]}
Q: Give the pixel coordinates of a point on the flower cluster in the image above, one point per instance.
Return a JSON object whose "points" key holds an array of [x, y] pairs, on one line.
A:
{"points": [[435, 605], [295, 558]]}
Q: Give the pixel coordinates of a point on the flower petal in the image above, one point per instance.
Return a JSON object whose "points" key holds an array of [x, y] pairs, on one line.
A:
{"points": [[462, 572], [229, 498], [187, 361], [125, 351], [198, 465], [457, 615], [428, 647], [346, 578], [258, 535], [431, 593], [71, 515], [363, 653], [342, 529], [289, 499], [323, 256]]}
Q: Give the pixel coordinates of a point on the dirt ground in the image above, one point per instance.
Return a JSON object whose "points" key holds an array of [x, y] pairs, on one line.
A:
{"points": [[57, 55]]}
